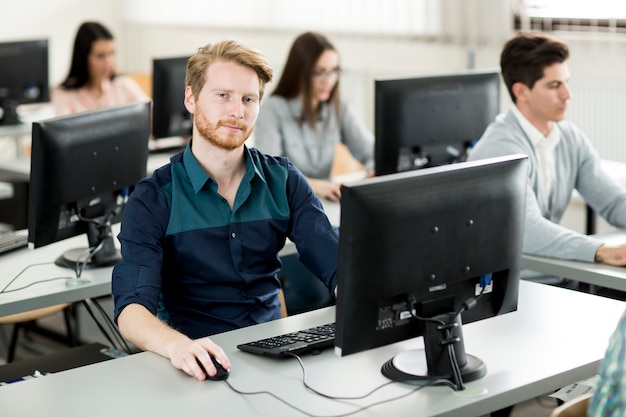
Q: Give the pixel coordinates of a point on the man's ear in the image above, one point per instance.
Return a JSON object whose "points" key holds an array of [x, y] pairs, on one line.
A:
{"points": [[520, 90], [190, 101]]}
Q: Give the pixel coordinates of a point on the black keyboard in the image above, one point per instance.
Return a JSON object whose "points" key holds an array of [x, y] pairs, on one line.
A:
{"points": [[303, 341], [12, 239]]}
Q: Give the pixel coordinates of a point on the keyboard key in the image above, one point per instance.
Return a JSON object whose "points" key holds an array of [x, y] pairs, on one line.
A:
{"points": [[303, 341], [12, 239]]}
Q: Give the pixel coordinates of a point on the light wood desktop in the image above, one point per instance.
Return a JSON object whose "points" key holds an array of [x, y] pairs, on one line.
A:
{"points": [[556, 338]]}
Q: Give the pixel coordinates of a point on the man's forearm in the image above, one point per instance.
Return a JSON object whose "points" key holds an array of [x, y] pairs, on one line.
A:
{"points": [[146, 331]]}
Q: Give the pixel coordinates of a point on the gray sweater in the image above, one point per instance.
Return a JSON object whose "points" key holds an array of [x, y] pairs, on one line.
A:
{"points": [[312, 150], [577, 167]]}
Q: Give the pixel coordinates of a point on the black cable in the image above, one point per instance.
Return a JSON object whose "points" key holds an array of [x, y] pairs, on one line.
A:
{"points": [[105, 316], [92, 251], [4, 290], [102, 330], [454, 363], [307, 386], [31, 284], [321, 394], [315, 415], [119, 340], [114, 329]]}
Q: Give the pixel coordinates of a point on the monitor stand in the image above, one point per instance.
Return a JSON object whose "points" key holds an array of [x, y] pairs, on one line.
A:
{"points": [[9, 115], [99, 236], [432, 364]]}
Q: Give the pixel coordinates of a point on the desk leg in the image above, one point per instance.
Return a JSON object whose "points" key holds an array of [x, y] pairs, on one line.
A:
{"points": [[591, 221]]}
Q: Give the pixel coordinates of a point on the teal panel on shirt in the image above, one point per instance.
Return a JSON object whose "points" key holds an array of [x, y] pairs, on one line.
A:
{"points": [[261, 196]]}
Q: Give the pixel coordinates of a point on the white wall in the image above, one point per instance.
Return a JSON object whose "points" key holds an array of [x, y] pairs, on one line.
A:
{"points": [[480, 26], [57, 21]]}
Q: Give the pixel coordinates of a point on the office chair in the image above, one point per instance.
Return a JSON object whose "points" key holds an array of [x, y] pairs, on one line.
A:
{"points": [[303, 291], [576, 407], [283, 305], [23, 320]]}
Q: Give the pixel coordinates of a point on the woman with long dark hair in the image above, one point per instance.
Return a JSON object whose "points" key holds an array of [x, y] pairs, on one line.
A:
{"points": [[92, 82], [305, 118]]}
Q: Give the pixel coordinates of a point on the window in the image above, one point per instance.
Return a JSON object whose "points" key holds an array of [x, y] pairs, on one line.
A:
{"points": [[597, 16]]}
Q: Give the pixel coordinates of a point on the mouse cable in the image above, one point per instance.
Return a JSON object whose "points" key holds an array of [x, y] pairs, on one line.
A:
{"points": [[5, 290], [358, 410], [360, 397], [321, 394]]}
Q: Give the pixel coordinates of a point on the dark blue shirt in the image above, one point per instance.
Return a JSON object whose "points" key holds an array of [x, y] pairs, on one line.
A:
{"points": [[205, 268]]}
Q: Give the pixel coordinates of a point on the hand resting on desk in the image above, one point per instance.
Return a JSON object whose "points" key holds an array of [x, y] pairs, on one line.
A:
{"points": [[612, 254], [147, 332], [326, 189]]}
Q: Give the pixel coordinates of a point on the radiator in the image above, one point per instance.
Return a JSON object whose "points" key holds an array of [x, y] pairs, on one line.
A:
{"points": [[600, 111]]}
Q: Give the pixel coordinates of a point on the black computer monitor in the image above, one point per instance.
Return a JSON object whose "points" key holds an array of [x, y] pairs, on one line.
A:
{"points": [[83, 167], [170, 117], [23, 76], [428, 121], [418, 246]]}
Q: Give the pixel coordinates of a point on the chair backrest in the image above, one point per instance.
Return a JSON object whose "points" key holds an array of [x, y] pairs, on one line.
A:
{"points": [[283, 304], [576, 407]]}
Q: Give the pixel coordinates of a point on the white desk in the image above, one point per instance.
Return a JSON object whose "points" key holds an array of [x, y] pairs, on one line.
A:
{"points": [[19, 168], [20, 133], [592, 273], [528, 353], [53, 292]]}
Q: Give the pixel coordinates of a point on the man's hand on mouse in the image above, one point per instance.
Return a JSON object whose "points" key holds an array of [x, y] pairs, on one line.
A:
{"points": [[184, 353]]}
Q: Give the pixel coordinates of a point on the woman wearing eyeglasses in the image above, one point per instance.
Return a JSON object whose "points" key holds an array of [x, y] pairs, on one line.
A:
{"points": [[304, 119]]}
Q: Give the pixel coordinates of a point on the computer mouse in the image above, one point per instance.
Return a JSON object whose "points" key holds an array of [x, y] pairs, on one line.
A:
{"points": [[221, 374]]}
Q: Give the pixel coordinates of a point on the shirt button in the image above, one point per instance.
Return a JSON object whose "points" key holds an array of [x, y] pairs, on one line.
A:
{"points": [[233, 235]]}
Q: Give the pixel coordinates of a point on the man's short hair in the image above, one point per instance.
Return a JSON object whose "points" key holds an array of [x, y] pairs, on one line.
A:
{"points": [[226, 51], [525, 57]]}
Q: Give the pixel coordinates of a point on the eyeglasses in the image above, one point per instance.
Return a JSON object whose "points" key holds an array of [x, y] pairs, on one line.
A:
{"points": [[322, 73]]}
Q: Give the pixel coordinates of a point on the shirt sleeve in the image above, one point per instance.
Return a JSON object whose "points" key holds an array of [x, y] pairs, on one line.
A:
{"points": [[137, 278], [316, 240], [604, 194], [542, 236], [609, 398]]}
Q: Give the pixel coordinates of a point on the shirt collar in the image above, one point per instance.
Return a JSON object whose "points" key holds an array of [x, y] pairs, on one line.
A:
{"points": [[199, 177], [534, 135]]}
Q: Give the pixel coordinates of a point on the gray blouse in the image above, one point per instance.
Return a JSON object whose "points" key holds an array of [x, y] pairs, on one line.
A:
{"points": [[278, 132]]}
